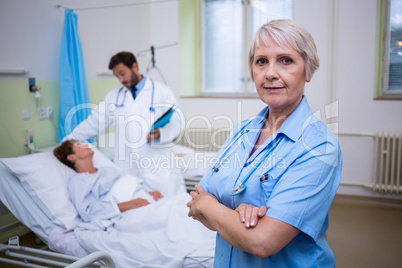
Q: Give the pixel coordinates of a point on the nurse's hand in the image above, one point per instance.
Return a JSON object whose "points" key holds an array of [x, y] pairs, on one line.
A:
{"points": [[154, 135], [249, 214], [200, 202]]}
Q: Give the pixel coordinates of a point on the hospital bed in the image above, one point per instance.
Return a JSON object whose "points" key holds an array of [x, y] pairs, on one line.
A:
{"points": [[25, 202], [18, 201]]}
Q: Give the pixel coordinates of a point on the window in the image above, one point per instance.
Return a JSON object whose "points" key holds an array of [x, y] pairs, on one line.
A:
{"points": [[227, 27], [391, 55]]}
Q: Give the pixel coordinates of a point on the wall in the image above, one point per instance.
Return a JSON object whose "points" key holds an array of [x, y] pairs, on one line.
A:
{"points": [[355, 76], [30, 40], [346, 47], [15, 97]]}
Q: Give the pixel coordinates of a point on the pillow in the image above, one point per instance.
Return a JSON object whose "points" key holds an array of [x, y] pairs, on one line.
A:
{"points": [[45, 179]]}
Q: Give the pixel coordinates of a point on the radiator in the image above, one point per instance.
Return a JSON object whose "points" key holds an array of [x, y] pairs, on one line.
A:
{"points": [[387, 163], [201, 139]]}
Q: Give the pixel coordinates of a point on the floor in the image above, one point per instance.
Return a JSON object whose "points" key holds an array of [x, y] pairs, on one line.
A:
{"points": [[362, 233], [365, 233]]}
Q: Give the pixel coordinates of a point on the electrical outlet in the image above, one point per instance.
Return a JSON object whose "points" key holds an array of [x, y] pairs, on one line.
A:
{"points": [[42, 113], [26, 114], [49, 112]]}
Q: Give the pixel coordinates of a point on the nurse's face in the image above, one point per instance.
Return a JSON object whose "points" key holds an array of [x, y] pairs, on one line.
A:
{"points": [[129, 77], [279, 76]]}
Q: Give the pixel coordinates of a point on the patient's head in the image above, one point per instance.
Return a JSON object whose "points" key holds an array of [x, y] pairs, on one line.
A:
{"points": [[71, 151]]}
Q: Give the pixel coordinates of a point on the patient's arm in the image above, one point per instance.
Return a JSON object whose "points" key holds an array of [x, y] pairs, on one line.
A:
{"points": [[156, 195], [135, 203]]}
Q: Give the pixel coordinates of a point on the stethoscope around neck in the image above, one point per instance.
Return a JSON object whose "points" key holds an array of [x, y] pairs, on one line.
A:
{"points": [[242, 185], [151, 107]]}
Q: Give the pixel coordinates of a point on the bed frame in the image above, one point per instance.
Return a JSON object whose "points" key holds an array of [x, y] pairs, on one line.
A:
{"points": [[38, 258]]}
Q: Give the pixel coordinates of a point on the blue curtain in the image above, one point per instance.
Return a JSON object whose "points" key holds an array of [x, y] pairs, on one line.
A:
{"points": [[74, 97]]}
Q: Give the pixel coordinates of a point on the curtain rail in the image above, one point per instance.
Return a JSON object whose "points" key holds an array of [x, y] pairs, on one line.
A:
{"points": [[13, 71], [115, 6]]}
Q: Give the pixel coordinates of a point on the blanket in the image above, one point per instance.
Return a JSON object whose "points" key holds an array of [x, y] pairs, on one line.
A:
{"points": [[157, 235]]}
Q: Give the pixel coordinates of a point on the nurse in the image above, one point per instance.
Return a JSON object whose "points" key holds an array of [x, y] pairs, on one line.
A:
{"points": [[133, 107], [286, 161]]}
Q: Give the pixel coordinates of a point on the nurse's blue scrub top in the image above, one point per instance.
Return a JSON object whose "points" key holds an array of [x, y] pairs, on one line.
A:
{"points": [[304, 172]]}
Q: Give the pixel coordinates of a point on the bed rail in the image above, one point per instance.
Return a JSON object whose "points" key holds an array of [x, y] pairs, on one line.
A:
{"points": [[37, 258], [94, 257]]}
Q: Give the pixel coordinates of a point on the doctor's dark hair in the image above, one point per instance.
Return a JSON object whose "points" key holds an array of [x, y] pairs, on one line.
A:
{"points": [[291, 34], [127, 58], [63, 150]]}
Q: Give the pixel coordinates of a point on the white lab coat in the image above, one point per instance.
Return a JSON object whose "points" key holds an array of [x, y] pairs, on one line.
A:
{"points": [[133, 121]]}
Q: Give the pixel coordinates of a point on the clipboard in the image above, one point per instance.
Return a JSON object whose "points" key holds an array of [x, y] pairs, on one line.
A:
{"points": [[164, 119]]}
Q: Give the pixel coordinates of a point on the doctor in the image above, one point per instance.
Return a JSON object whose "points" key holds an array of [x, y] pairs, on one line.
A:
{"points": [[134, 107]]}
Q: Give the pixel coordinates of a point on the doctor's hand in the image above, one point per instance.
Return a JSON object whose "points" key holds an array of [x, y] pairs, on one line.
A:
{"points": [[249, 214], [156, 195], [201, 202], [154, 135]]}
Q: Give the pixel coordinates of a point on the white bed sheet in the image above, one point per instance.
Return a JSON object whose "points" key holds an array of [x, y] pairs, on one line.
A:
{"points": [[144, 238]]}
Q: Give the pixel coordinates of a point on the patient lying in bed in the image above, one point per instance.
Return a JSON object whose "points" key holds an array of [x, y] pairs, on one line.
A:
{"points": [[90, 188], [150, 230]]}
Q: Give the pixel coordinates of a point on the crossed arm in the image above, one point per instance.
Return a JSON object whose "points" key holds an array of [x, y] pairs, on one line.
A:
{"points": [[264, 239]]}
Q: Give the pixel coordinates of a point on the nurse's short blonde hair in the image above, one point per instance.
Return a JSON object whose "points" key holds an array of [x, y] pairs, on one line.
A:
{"points": [[287, 33]]}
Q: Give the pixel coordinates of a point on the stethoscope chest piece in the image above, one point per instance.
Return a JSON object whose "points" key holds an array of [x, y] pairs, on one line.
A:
{"points": [[238, 189]]}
